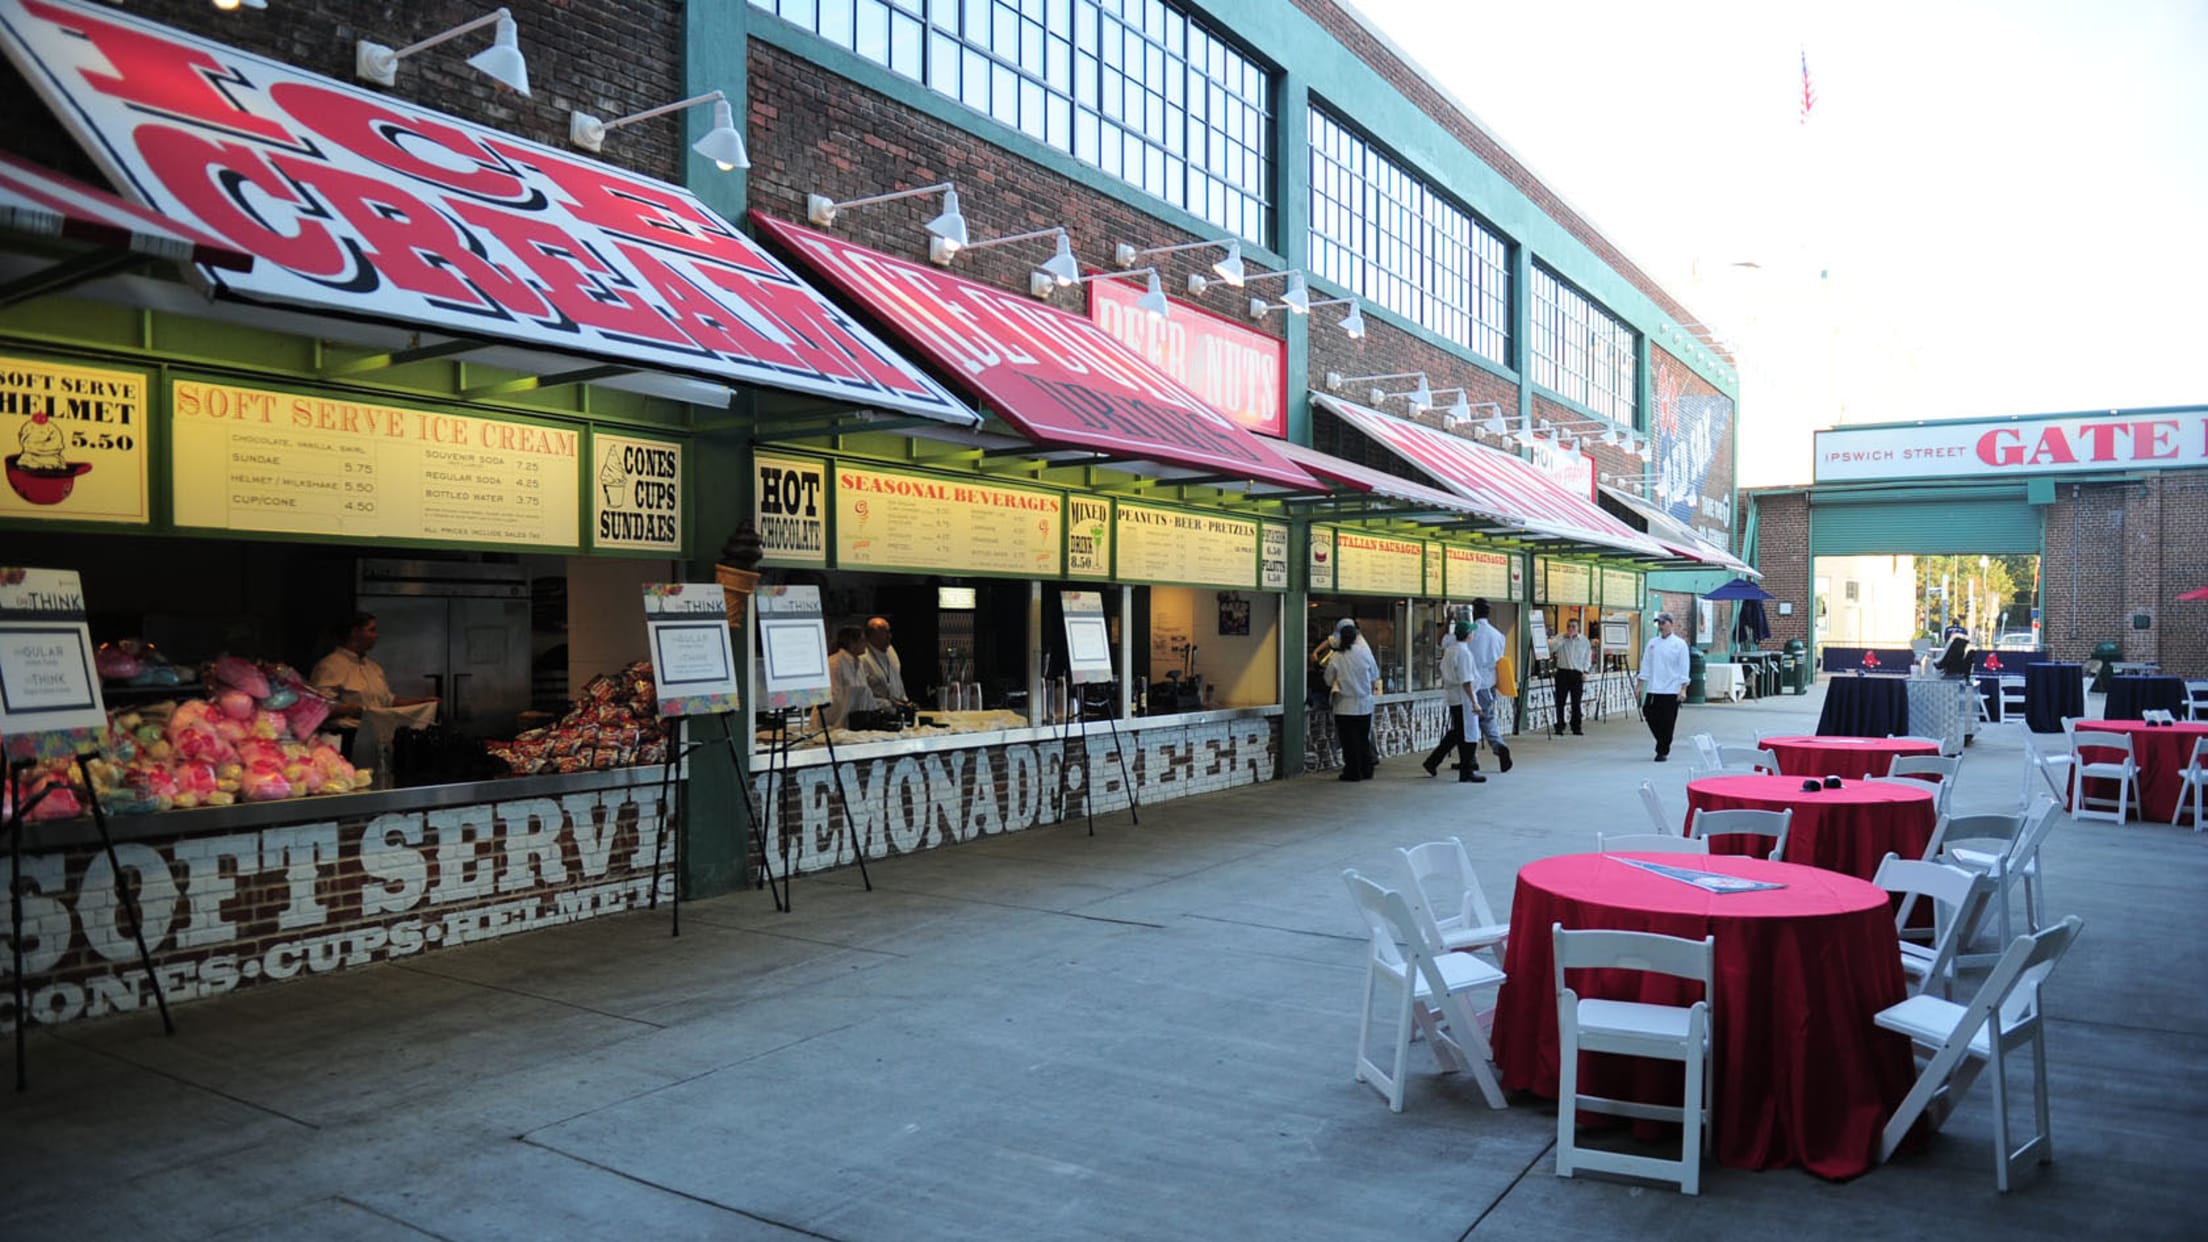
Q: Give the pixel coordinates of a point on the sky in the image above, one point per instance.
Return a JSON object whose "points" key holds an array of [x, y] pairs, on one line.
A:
{"points": [[1993, 208]]}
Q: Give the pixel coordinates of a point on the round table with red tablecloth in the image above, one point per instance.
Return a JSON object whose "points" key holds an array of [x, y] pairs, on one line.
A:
{"points": [[2161, 752], [1848, 829], [1849, 758], [1801, 1074]]}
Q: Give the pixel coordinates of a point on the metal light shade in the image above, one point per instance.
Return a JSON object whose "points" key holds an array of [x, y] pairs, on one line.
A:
{"points": [[501, 62], [1229, 267], [1153, 302], [1495, 426], [1422, 396], [950, 226], [1460, 412], [1353, 323], [1297, 298], [722, 144], [1062, 267]]}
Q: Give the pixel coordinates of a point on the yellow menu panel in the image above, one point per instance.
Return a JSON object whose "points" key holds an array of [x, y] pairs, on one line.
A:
{"points": [[1088, 537], [1567, 582], [1478, 575], [909, 521], [75, 442], [248, 459], [1170, 545], [1621, 588], [1374, 565]]}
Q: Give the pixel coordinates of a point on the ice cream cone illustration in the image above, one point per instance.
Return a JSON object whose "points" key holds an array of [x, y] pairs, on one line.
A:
{"points": [[42, 473]]}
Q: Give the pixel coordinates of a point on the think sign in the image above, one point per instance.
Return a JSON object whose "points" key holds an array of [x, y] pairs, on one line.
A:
{"points": [[2148, 440]]}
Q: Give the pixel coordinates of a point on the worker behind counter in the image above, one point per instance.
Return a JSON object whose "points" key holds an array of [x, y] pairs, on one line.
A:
{"points": [[362, 695]]}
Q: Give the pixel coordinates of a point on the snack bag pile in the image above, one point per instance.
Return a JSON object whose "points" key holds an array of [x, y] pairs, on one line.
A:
{"points": [[614, 724]]}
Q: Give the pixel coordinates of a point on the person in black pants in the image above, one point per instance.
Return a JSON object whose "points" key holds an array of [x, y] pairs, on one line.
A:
{"points": [[1663, 680], [1452, 695], [1351, 675], [1573, 658]]}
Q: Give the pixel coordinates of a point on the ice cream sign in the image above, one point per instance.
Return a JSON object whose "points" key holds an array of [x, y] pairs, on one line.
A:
{"points": [[638, 501], [75, 442]]}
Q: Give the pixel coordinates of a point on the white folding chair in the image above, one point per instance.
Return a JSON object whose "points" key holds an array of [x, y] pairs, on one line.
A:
{"points": [[1653, 802], [1634, 1029], [1445, 895], [1648, 843], [2195, 778], [1940, 790], [2124, 771], [2053, 769], [1695, 774], [1750, 757], [2012, 698], [2196, 699], [2004, 1016], [1743, 823], [2157, 716], [1958, 901], [1951, 747], [2004, 848], [1433, 996], [1706, 752]]}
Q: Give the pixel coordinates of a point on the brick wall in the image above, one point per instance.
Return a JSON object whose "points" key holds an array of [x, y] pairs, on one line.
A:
{"points": [[1782, 553], [605, 57], [945, 796], [812, 132], [224, 911]]}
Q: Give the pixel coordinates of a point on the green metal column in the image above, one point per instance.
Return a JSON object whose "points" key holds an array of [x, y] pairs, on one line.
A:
{"points": [[717, 38], [1292, 238], [1295, 645]]}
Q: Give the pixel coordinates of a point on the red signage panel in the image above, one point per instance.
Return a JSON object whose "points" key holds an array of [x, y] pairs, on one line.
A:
{"points": [[1056, 376], [1241, 373], [355, 202]]}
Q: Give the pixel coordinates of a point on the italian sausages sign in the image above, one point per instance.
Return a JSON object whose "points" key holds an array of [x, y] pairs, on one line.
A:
{"points": [[356, 202], [1057, 377], [2118, 440]]}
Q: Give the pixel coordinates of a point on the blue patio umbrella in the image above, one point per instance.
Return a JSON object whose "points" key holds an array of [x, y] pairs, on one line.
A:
{"points": [[1750, 626], [1739, 589]]}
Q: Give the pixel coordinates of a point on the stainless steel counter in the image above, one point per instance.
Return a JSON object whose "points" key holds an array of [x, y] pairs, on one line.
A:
{"points": [[923, 741]]}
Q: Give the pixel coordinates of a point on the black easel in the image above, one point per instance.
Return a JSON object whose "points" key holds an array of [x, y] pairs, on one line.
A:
{"points": [[680, 748], [16, 817], [1078, 696], [778, 767]]}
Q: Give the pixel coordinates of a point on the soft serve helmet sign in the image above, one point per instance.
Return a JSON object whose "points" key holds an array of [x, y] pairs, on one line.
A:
{"points": [[359, 203]]}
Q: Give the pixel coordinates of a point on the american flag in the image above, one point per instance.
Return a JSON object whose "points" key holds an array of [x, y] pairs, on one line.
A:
{"points": [[1809, 93]]}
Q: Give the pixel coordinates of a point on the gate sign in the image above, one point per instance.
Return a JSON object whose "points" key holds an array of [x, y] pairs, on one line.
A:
{"points": [[1056, 376], [2010, 447], [362, 204]]}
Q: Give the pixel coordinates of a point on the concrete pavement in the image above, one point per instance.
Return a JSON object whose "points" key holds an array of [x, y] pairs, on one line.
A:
{"points": [[1145, 1034]]}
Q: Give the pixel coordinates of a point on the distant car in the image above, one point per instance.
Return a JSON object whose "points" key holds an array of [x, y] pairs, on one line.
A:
{"points": [[2016, 640]]}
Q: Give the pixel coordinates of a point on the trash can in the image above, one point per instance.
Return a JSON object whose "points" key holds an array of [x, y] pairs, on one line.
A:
{"points": [[1800, 674], [2105, 655], [1698, 668]]}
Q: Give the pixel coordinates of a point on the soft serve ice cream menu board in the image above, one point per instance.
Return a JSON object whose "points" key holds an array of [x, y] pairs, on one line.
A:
{"points": [[249, 459]]}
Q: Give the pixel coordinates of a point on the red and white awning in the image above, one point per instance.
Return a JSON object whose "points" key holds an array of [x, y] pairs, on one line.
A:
{"points": [[41, 203], [356, 204], [1056, 377], [1501, 486], [1678, 537], [1365, 479]]}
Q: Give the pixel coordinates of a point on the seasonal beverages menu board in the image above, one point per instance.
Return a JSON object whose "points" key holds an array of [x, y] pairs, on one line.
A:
{"points": [[1621, 588], [1474, 574], [908, 521], [1373, 565], [1170, 545], [249, 459]]}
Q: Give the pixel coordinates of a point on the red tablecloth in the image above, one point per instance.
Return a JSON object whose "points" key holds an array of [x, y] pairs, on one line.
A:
{"points": [[1800, 1073], [2161, 753], [1849, 829], [1849, 758]]}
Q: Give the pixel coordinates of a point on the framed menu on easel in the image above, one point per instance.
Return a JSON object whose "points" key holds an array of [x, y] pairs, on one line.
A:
{"points": [[793, 645], [1088, 637], [693, 666], [50, 704]]}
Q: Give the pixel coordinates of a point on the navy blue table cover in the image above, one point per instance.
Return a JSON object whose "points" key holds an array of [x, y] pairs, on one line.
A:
{"points": [[2051, 692], [2129, 697], [1865, 707]]}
